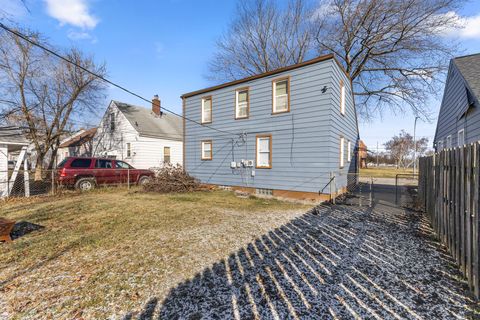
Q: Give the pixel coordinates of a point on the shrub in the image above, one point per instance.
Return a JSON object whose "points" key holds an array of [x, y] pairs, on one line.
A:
{"points": [[172, 178]]}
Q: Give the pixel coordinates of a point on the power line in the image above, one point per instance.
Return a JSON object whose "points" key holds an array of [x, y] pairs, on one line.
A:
{"points": [[24, 37]]}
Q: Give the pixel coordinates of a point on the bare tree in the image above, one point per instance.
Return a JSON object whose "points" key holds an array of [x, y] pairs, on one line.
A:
{"points": [[401, 148], [262, 37], [392, 50], [45, 93]]}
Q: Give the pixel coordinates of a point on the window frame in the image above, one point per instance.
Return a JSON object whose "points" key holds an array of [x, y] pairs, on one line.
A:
{"points": [[274, 83], [169, 154], [349, 151], [261, 136], [449, 142], [201, 149], [342, 152], [439, 145], [237, 91], [458, 137], [202, 110], [129, 149], [112, 122], [343, 95]]}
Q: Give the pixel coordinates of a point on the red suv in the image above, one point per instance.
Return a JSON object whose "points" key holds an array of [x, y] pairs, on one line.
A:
{"points": [[86, 173]]}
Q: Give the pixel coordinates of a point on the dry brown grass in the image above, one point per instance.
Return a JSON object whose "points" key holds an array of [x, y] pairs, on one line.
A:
{"points": [[383, 172], [104, 253]]}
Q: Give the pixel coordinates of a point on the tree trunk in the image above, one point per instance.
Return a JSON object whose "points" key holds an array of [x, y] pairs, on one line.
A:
{"points": [[39, 167]]}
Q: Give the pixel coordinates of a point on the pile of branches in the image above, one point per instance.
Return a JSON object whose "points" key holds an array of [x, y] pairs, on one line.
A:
{"points": [[172, 178]]}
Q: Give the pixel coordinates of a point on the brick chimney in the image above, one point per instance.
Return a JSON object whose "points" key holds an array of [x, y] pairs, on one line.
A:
{"points": [[156, 105]]}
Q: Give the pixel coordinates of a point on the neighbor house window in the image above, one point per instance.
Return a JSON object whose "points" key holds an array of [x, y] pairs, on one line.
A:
{"points": [[349, 151], [342, 97], [264, 151], [241, 103], [166, 154], [112, 121], [342, 152], [449, 141], [281, 95], [207, 109], [461, 138], [440, 145], [129, 150], [207, 150]]}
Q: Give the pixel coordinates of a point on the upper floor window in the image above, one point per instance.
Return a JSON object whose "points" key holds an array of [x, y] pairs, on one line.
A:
{"points": [[242, 103], [112, 121], [342, 97], [264, 151], [281, 95], [342, 152], [166, 154], [449, 142], [461, 137], [207, 150], [207, 109]]}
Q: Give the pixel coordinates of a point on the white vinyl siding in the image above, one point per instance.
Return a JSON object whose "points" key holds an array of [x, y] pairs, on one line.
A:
{"points": [[207, 110], [342, 152], [264, 152], [280, 95], [241, 103]]}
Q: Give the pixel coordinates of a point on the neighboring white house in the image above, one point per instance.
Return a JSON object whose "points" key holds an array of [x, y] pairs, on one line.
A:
{"points": [[80, 144], [142, 137], [12, 139]]}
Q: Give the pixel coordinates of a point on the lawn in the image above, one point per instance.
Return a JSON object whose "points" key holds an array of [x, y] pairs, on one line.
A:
{"points": [[384, 172], [104, 253]]}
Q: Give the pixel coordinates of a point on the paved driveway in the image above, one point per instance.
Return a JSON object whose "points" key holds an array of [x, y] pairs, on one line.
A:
{"points": [[345, 262]]}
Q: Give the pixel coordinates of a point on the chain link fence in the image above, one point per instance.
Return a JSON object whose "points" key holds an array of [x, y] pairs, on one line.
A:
{"points": [[50, 182]]}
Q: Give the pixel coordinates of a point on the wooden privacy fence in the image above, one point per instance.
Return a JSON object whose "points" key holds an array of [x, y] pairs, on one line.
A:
{"points": [[449, 191]]}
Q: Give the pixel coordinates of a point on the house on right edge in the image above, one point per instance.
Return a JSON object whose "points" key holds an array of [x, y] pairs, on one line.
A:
{"points": [[283, 133], [459, 118]]}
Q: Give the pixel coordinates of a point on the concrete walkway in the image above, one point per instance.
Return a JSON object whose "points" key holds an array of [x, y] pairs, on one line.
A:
{"points": [[343, 262]]}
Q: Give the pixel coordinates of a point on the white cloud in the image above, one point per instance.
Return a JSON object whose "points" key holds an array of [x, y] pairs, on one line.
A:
{"points": [[81, 35], [470, 26], [73, 12]]}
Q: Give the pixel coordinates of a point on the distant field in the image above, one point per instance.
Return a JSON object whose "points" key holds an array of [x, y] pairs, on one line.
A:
{"points": [[384, 172]]}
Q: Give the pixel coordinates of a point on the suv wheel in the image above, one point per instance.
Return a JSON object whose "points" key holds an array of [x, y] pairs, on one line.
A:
{"points": [[143, 180], [85, 184]]}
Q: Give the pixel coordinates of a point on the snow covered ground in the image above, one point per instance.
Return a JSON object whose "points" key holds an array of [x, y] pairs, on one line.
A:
{"points": [[344, 262]]}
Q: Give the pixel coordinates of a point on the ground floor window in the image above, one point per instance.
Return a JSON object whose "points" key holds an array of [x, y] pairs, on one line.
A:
{"points": [[166, 154], [461, 138], [264, 151], [342, 152], [207, 150]]}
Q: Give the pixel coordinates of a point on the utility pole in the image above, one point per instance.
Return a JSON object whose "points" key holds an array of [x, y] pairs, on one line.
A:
{"points": [[377, 154], [415, 145]]}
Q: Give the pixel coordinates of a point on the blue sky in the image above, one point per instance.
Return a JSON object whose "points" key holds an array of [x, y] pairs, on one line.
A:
{"points": [[163, 47]]}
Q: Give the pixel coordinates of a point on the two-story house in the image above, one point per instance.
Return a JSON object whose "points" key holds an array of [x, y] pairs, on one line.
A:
{"points": [[142, 137], [459, 117], [284, 133]]}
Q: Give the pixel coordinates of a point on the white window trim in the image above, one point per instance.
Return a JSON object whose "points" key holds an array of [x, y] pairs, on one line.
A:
{"points": [[440, 145], [274, 95], [349, 151], [257, 151], [342, 97], [458, 137], [342, 152], [203, 109], [203, 150], [129, 150], [237, 103], [449, 142]]}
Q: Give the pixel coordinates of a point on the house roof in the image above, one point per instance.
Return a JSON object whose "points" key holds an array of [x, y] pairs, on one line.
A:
{"points": [[147, 124], [469, 67], [79, 139], [265, 74], [12, 136]]}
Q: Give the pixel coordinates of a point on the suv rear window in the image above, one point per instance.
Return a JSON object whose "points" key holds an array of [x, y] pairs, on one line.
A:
{"points": [[81, 163]]}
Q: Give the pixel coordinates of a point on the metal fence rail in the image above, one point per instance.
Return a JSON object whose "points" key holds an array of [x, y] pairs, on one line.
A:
{"points": [[449, 189]]}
